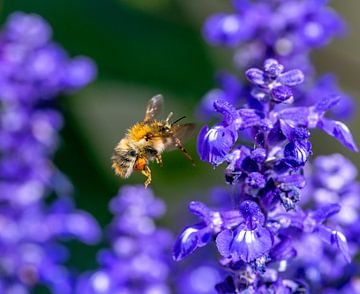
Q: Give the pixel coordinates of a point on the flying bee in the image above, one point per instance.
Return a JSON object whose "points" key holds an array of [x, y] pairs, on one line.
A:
{"points": [[147, 140]]}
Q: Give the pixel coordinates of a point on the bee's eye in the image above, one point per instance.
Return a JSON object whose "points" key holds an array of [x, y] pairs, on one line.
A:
{"points": [[132, 153]]}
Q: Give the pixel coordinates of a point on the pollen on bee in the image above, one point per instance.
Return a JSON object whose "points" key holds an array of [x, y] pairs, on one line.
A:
{"points": [[139, 131], [140, 164]]}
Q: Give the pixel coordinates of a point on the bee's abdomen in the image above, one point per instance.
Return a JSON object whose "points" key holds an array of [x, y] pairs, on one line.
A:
{"points": [[123, 162]]}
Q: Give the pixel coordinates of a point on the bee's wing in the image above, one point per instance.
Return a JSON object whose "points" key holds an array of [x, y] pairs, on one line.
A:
{"points": [[153, 107], [182, 132]]}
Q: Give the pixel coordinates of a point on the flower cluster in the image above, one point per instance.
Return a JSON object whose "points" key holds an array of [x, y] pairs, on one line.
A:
{"points": [[138, 261], [259, 236], [285, 30], [332, 179], [33, 70]]}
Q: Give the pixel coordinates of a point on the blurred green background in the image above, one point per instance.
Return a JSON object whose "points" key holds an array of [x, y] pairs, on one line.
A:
{"points": [[142, 48]]}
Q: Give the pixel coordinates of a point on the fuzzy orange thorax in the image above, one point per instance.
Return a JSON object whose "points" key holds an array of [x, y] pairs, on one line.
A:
{"points": [[139, 131]]}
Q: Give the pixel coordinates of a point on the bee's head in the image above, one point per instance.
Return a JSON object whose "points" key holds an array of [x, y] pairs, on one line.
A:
{"points": [[166, 129]]}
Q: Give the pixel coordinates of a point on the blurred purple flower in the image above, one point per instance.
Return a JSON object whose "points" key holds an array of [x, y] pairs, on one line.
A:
{"points": [[31, 76], [138, 261]]}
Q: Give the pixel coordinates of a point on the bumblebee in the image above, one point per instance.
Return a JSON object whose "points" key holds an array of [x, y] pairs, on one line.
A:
{"points": [[147, 140]]}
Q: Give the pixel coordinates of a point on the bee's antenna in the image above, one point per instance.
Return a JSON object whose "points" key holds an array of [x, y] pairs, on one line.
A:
{"points": [[179, 119]]}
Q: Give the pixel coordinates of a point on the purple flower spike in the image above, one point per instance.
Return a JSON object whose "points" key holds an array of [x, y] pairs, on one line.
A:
{"points": [[265, 145], [138, 259], [32, 73]]}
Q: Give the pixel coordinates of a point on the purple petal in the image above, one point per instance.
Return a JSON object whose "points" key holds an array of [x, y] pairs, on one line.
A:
{"points": [[283, 250], [223, 241], [325, 212], [249, 118], [326, 103], [248, 245], [296, 116], [191, 238], [199, 209], [255, 76], [291, 78], [335, 238], [214, 144], [339, 131], [294, 180], [227, 110]]}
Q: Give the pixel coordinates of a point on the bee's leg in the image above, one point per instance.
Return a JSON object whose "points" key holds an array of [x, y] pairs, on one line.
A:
{"points": [[183, 150], [147, 173], [158, 160]]}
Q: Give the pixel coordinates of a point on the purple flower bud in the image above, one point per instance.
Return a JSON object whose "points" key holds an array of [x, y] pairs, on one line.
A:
{"points": [[281, 94], [252, 214], [259, 155], [291, 78], [190, 239], [296, 153], [256, 180], [256, 76], [273, 68]]}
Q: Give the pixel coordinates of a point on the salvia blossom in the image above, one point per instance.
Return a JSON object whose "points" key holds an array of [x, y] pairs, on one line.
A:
{"points": [[33, 71], [138, 261], [285, 30], [266, 230]]}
